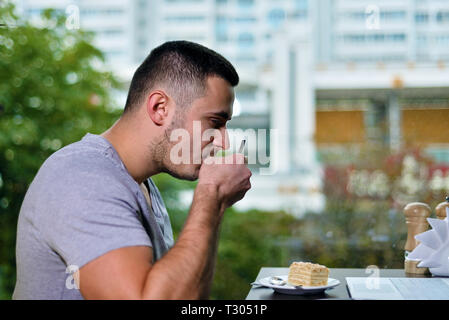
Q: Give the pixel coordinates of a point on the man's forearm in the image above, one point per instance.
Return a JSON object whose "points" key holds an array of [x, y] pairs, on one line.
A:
{"points": [[186, 271]]}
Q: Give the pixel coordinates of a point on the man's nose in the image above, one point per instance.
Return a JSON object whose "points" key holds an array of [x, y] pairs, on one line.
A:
{"points": [[223, 140]]}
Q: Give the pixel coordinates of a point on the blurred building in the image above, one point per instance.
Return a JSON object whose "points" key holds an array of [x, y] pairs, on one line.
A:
{"points": [[328, 76]]}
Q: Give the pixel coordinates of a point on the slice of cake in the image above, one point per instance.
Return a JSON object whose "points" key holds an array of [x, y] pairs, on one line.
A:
{"points": [[307, 274]]}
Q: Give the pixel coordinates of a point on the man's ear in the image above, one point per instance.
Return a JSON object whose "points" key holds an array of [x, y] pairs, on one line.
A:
{"points": [[157, 107]]}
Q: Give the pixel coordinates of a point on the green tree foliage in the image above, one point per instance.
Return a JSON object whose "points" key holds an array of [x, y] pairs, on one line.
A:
{"points": [[52, 91], [249, 241]]}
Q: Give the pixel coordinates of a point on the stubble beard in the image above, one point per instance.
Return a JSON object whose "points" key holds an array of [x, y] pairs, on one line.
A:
{"points": [[160, 151]]}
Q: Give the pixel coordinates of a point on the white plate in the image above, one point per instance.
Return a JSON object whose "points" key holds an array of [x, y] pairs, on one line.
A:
{"points": [[289, 289]]}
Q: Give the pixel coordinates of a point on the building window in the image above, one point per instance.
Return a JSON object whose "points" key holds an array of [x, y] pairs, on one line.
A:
{"points": [[221, 29], [421, 40], [107, 12], [442, 40], [392, 15], [421, 17], [400, 37], [185, 19], [354, 15], [276, 17], [443, 17], [354, 38], [245, 3], [384, 15], [221, 34], [246, 40], [183, 1], [301, 4], [245, 19], [380, 37]]}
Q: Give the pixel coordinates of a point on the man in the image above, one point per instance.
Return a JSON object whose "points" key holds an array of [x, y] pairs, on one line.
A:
{"points": [[93, 225]]}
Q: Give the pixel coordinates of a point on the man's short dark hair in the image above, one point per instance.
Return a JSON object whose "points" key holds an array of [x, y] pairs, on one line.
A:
{"points": [[182, 68]]}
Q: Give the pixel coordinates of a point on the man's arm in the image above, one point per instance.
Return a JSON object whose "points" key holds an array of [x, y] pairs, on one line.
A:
{"points": [[186, 270]]}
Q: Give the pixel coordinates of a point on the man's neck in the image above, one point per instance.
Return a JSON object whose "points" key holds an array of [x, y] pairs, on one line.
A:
{"points": [[131, 149]]}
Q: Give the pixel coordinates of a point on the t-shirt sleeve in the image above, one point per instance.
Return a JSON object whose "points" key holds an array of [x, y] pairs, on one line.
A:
{"points": [[97, 216]]}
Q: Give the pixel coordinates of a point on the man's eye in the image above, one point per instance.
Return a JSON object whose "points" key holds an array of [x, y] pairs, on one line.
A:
{"points": [[217, 123]]}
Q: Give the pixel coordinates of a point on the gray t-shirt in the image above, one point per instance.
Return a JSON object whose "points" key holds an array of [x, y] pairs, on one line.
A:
{"points": [[82, 204]]}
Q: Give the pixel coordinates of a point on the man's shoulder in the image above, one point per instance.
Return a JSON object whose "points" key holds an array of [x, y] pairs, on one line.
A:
{"points": [[77, 158], [84, 163]]}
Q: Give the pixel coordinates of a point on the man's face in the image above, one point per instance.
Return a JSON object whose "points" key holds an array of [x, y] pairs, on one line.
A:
{"points": [[204, 130]]}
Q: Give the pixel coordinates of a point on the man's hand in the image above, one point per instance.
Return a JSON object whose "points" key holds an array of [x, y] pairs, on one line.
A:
{"points": [[228, 175]]}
